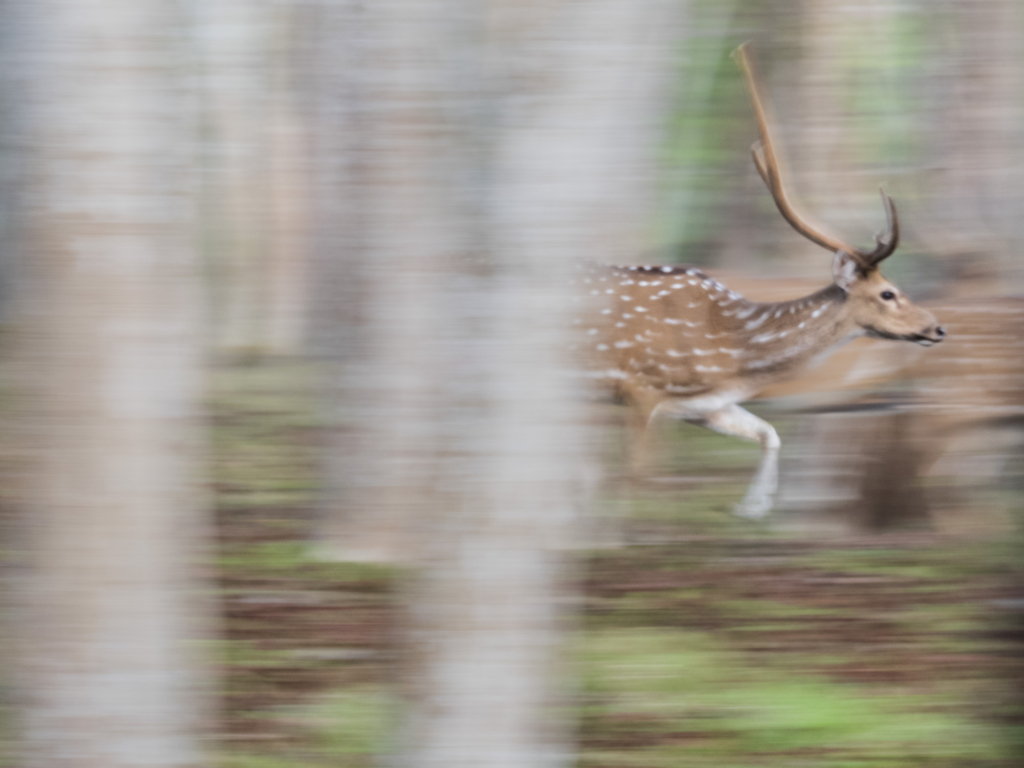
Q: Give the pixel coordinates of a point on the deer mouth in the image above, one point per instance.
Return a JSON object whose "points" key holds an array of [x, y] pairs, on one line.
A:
{"points": [[931, 336], [925, 339], [929, 339]]}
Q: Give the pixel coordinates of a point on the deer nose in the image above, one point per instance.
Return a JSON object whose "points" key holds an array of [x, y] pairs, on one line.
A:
{"points": [[940, 331]]}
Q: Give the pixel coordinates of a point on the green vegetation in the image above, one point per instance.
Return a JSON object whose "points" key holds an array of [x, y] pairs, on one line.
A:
{"points": [[691, 698]]}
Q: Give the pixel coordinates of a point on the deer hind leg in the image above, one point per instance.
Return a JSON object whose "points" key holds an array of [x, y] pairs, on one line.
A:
{"points": [[738, 422], [641, 439]]}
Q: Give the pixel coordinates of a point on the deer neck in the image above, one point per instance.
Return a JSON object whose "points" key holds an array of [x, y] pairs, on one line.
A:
{"points": [[780, 337]]}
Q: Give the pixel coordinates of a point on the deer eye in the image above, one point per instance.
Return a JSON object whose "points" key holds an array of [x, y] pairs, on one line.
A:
{"points": [[888, 295]]}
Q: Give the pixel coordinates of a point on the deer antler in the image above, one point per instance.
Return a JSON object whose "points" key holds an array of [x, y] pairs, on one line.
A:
{"points": [[768, 168]]}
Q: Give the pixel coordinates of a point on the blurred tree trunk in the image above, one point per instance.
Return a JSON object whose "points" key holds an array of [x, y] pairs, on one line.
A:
{"points": [[234, 40], [573, 93], [257, 178], [844, 100], [107, 354], [387, 218], [287, 322], [974, 134], [381, 209], [465, 160]]}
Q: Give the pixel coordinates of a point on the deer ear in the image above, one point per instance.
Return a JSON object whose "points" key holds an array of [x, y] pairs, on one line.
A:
{"points": [[846, 270]]}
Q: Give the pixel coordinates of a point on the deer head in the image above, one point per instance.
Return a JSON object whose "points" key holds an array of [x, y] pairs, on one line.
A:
{"points": [[875, 304]]}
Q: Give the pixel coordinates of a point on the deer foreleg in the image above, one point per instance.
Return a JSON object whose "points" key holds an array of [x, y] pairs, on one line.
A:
{"points": [[738, 422]]}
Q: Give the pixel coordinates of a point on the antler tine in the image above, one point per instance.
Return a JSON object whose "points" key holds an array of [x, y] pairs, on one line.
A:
{"points": [[887, 242], [768, 168]]}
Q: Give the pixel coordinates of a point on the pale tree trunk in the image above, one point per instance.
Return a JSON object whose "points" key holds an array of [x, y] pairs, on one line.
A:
{"points": [[483, 154], [974, 130], [383, 249], [234, 38], [286, 322], [257, 183], [107, 369], [388, 216], [566, 138]]}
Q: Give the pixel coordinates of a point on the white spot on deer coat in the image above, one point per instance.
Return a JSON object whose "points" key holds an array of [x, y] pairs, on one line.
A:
{"points": [[707, 368], [763, 338], [704, 352], [757, 322], [623, 344], [817, 313]]}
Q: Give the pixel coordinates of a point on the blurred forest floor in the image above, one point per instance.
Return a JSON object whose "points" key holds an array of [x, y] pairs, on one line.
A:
{"points": [[708, 641]]}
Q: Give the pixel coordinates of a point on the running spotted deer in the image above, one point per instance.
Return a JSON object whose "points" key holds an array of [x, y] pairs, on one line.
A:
{"points": [[672, 341]]}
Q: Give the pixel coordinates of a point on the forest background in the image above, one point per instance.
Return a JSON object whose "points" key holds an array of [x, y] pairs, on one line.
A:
{"points": [[296, 474]]}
